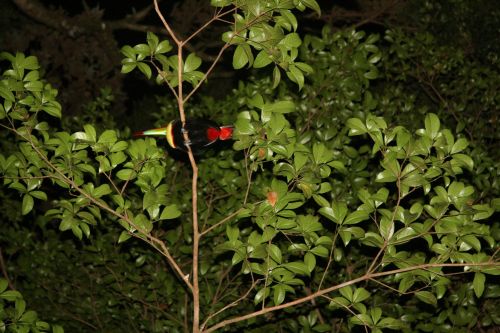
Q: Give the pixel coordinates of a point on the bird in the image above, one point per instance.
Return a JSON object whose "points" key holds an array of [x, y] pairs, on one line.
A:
{"points": [[201, 133]]}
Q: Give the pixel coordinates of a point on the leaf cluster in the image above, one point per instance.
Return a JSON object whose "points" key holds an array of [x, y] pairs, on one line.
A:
{"points": [[320, 199]]}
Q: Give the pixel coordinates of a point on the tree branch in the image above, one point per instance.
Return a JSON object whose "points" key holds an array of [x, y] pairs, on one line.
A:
{"points": [[194, 184], [38, 12], [367, 276], [99, 203]]}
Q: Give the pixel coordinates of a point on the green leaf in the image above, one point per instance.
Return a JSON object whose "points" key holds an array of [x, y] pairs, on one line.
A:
{"points": [[33, 86], [482, 212], [463, 160], [322, 202], [66, 223], [304, 67], [261, 295], [32, 76], [375, 313], [276, 76], [385, 176], [126, 174], [432, 125], [90, 132], [427, 297], [279, 294], [371, 74], [386, 228], [275, 253], [478, 283], [336, 213], [459, 145], [295, 75], [320, 250], [347, 293], [339, 302], [297, 267], [170, 212], [124, 235], [285, 224], [328, 213], [220, 3], [163, 47], [27, 205], [57, 329], [11, 295], [42, 325], [356, 127], [53, 108], [372, 239], [391, 323], [31, 62], [145, 69], [28, 317], [152, 40], [360, 295], [117, 147], [240, 58], [262, 60], [7, 94], [279, 107], [313, 5], [290, 18], [77, 231], [142, 49], [39, 195], [150, 199], [3, 285], [192, 63], [292, 40], [128, 52], [143, 223], [101, 191], [356, 217], [20, 306], [310, 261], [128, 67], [107, 137]]}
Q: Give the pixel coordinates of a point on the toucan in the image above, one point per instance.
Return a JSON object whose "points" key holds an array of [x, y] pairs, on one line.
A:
{"points": [[201, 133]]}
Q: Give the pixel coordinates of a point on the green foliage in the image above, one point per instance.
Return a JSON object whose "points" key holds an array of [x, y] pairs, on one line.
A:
{"points": [[462, 89], [470, 26], [14, 317], [325, 198], [264, 33]]}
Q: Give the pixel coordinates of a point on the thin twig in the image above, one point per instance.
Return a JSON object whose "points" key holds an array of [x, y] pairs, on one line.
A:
{"points": [[4, 271], [330, 258], [386, 242], [315, 306], [224, 220], [194, 184], [165, 24], [348, 309], [230, 305], [367, 276], [249, 178]]}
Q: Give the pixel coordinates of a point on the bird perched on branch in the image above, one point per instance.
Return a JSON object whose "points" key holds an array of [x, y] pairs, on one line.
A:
{"points": [[201, 133]]}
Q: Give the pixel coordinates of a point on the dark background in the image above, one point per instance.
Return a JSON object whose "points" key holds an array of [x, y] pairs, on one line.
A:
{"points": [[78, 42]]}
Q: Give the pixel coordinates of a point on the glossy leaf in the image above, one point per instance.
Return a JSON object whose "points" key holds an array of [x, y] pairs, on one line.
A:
{"points": [[479, 283], [170, 212]]}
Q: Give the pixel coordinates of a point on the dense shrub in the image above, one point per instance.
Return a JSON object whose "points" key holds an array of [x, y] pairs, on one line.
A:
{"points": [[357, 194]]}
